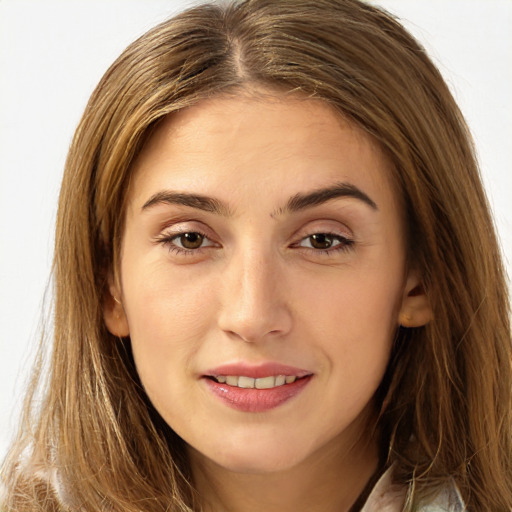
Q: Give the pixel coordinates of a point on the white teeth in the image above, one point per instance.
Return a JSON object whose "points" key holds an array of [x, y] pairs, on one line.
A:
{"points": [[262, 383], [265, 383], [280, 380], [245, 382], [232, 381]]}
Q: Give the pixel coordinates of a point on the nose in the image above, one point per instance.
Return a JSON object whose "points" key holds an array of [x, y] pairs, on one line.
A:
{"points": [[254, 298]]}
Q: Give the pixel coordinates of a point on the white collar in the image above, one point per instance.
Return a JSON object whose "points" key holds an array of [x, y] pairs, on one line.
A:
{"points": [[389, 497]]}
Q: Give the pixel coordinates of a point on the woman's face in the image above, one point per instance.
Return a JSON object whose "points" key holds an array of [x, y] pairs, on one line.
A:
{"points": [[262, 278]]}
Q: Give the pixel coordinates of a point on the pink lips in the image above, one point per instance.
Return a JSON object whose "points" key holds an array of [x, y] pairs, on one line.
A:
{"points": [[252, 399]]}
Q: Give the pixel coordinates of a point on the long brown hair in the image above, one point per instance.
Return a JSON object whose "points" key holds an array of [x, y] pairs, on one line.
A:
{"points": [[93, 441]]}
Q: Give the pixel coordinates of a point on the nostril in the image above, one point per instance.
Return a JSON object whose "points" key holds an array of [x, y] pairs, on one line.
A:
{"points": [[254, 317]]}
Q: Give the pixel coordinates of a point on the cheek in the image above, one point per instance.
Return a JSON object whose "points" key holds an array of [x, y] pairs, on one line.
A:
{"points": [[167, 316], [354, 318], [161, 298], [355, 304]]}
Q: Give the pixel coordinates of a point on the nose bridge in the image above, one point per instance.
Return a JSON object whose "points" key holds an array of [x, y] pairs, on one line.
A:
{"points": [[254, 304]]}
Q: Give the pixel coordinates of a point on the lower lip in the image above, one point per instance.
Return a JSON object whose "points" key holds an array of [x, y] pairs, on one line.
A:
{"points": [[256, 400]]}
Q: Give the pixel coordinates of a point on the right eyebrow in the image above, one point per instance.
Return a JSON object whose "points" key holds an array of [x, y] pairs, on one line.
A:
{"points": [[200, 202]]}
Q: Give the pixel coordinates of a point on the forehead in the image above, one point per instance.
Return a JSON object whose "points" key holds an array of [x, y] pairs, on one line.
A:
{"points": [[263, 142]]}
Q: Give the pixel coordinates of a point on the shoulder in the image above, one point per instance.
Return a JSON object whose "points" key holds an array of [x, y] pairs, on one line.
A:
{"points": [[389, 497]]}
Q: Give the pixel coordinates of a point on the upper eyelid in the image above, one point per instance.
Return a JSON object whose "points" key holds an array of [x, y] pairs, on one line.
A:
{"points": [[186, 226], [343, 231], [170, 236], [344, 241], [330, 226]]}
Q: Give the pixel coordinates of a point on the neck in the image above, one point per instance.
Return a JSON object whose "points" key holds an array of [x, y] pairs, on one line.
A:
{"points": [[330, 480]]}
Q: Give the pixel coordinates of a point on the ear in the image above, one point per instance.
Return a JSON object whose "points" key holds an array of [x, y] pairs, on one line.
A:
{"points": [[113, 312], [415, 310]]}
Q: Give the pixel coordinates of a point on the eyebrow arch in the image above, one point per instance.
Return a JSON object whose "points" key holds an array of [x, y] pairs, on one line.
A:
{"points": [[207, 204], [316, 197], [296, 203]]}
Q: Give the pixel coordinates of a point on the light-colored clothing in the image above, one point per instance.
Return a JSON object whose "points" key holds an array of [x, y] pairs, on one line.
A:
{"points": [[386, 497]]}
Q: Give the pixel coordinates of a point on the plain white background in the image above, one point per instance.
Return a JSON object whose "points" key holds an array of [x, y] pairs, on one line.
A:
{"points": [[52, 54]]}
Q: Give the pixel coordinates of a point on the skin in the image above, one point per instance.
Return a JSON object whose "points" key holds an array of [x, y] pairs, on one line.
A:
{"points": [[258, 290]]}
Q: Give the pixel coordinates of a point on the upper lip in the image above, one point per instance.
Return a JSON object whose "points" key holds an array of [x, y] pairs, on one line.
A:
{"points": [[257, 371]]}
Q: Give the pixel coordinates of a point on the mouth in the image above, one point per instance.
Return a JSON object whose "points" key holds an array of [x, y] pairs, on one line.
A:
{"points": [[252, 389], [244, 382]]}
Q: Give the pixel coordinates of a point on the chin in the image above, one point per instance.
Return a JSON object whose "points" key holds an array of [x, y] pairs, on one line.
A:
{"points": [[254, 457]]}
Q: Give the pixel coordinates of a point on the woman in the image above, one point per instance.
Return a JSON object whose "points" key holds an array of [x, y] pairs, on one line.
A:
{"points": [[277, 284]]}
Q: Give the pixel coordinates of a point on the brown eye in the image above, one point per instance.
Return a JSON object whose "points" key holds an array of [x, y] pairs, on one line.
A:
{"points": [[186, 242], [326, 243], [191, 240], [321, 241]]}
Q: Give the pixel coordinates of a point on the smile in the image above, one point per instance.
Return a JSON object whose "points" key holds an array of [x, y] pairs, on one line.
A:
{"points": [[245, 382], [256, 389]]}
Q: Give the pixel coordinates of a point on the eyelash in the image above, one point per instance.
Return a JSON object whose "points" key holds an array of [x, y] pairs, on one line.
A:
{"points": [[345, 244], [167, 240]]}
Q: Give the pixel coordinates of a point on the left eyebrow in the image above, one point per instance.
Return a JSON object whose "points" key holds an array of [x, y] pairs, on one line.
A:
{"points": [[302, 201]]}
